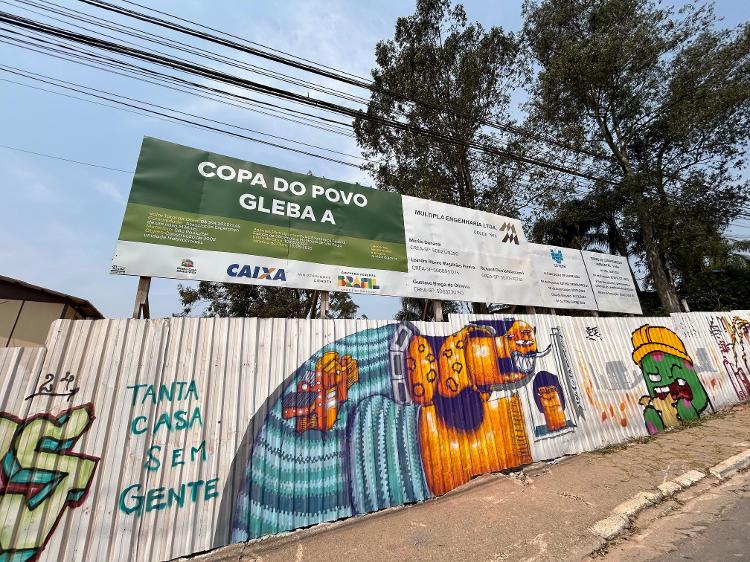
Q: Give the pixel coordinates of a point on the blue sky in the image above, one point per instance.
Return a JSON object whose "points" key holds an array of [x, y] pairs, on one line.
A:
{"points": [[60, 221]]}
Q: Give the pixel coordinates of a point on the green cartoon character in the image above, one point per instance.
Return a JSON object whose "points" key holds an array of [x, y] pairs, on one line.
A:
{"points": [[675, 393]]}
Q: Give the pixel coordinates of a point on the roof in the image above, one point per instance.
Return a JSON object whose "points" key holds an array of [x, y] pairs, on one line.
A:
{"points": [[20, 290]]}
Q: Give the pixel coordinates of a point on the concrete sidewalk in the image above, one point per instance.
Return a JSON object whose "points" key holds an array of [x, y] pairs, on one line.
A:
{"points": [[541, 513]]}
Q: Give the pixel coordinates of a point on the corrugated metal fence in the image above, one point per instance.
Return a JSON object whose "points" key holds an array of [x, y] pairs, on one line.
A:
{"points": [[152, 439]]}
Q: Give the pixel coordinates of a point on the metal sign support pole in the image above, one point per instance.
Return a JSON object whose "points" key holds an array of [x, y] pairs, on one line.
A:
{"points": [[141, 299], [324, 301], [437, 308]]}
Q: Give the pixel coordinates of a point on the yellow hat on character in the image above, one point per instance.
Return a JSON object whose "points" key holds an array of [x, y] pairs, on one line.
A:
{"points": [[648, 339]]}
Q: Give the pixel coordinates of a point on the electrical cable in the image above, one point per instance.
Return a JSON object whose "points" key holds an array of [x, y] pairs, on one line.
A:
{"points": [[69, 160], [86, 89], [327, 72], [285, 94], [200, 52], [109, 65], [146, 113], [99, 19], [217, 129], [171, 43]]}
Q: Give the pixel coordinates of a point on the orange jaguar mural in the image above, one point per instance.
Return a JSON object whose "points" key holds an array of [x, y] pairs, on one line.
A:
{"points": [[465, 427], [414, 415]]}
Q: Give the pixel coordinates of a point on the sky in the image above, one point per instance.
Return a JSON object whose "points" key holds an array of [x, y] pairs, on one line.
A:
{"points": [[60, 220]]}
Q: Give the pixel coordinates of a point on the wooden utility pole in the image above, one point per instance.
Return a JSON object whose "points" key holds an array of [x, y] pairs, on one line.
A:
{"points": [[324, 303], [140, 309]]}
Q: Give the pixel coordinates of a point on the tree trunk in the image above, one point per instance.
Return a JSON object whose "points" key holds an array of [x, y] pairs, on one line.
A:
{"points": [[479, 308], [664, 288], [313, 310]]}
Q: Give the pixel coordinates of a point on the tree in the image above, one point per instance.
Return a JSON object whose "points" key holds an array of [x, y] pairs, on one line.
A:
{"points": [[421, 309], [664, 99], [724, 282], [586, 223], [261, 301], [727, 288], [446, 76]]}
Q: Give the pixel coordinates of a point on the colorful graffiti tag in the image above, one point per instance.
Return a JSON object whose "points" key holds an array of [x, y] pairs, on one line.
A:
{"points": [[415, 416], [675, 393], [734, 352], [40, 477]]}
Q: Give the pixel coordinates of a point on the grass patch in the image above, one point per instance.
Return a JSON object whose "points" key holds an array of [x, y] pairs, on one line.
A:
{"points": [[614, 447]]}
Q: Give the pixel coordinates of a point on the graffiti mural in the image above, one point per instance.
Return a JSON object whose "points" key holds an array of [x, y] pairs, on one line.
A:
{"points": [[219, 430], [735, 351], [675, 393], [40, 477], [390, 415]]}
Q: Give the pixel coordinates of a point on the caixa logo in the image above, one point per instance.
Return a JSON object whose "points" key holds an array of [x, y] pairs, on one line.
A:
{"points": [[257, 272]]}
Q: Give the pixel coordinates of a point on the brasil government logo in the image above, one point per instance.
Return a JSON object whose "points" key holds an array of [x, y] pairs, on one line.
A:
{"points": [[369, 283]]}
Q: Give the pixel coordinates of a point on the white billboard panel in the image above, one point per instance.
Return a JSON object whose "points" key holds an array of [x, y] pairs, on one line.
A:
{"points": [[612, 283], [563, 280]]}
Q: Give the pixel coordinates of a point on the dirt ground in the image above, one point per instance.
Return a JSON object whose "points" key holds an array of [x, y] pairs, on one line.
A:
{"points": [[540, 513]]}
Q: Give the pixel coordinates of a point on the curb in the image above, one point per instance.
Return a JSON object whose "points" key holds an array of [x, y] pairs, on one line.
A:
{"points": [[731, 465], [622, 515]]}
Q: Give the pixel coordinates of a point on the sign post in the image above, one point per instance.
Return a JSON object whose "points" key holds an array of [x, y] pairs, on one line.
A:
{"points": [[437, 308], [141, 309]]}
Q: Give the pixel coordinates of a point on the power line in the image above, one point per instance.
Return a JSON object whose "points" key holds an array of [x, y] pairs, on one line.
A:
{"points": [[328, 72], [69, 160], [62, 57], [146, 113], [133, 32], [129, 70], [84, 89], [215, 129], [129, 31], [245, 40], [171, 119], [284, 94], [295, 98]]}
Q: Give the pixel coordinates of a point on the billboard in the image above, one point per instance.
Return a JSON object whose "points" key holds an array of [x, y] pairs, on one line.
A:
{"points": [[563, 278], [197, 215], [456, 253], [612, 283]]}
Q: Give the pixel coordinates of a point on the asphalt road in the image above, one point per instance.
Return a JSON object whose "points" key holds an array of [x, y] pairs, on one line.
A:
{"points": [[714, 525], [728, 538]]}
